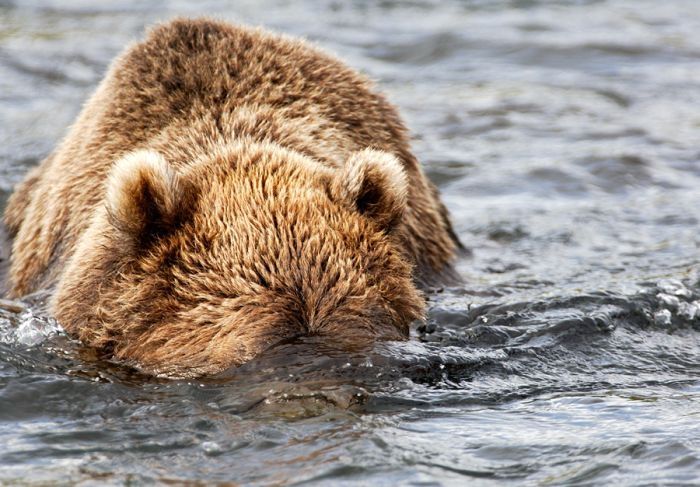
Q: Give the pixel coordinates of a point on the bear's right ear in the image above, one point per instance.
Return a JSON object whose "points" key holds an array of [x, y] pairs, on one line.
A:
{"points": [[146, 197]]}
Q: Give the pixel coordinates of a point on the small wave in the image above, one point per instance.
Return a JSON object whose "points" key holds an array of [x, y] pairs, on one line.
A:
{"points": [[20, 325]]}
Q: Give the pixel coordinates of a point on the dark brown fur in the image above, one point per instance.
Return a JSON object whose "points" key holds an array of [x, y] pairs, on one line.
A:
{"points": [[265, 220]]}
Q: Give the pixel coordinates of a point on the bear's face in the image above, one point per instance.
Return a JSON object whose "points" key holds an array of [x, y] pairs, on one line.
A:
{"points": [[193, 271]]}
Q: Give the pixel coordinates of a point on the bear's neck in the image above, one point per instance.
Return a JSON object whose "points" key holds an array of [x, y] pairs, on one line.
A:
{"points": [[305, 131]]}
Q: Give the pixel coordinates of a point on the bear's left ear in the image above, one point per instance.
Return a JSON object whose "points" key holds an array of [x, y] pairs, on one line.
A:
{"points": [[374, 183], [146, 197]]}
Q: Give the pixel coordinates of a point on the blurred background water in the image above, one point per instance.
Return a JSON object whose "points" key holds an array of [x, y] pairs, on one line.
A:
{"points": [[565, 138]]}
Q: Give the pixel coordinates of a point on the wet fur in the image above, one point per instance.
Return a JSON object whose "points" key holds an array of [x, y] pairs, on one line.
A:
{"points": [[203, 107]]}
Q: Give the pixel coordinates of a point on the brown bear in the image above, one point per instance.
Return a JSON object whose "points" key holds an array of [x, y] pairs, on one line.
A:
{"points": [[224, 189]]}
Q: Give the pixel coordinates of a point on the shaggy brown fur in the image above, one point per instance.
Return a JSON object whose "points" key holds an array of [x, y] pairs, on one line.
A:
{"points": [[224, 189]]}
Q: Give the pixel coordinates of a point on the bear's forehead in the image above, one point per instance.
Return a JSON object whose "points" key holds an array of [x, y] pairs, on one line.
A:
{"points": [[264, 185], [262, 158]]}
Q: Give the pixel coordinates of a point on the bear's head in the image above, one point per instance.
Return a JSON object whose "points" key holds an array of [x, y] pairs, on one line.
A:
{"points": [[190, 271]]}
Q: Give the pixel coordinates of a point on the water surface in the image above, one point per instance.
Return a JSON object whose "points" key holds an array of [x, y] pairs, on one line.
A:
{"points": [[565, 138]]}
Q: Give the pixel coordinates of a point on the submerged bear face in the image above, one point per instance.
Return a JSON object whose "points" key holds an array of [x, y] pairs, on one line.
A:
{"points": [[194, 270]]}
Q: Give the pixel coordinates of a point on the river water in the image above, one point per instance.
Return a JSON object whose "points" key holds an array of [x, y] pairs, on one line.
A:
{"points": [[565, 138]]}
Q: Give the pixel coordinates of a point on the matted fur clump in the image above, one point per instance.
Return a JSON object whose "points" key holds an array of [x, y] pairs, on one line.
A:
{"points": [[224, 189]]}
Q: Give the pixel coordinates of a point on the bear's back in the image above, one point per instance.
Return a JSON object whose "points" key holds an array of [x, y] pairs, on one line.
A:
{"points": [[189, 69]]}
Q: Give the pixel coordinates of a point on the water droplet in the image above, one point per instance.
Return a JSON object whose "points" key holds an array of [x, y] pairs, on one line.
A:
{"points": [[668, 300], [689, 310], [662, 317], [211, 448]]}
